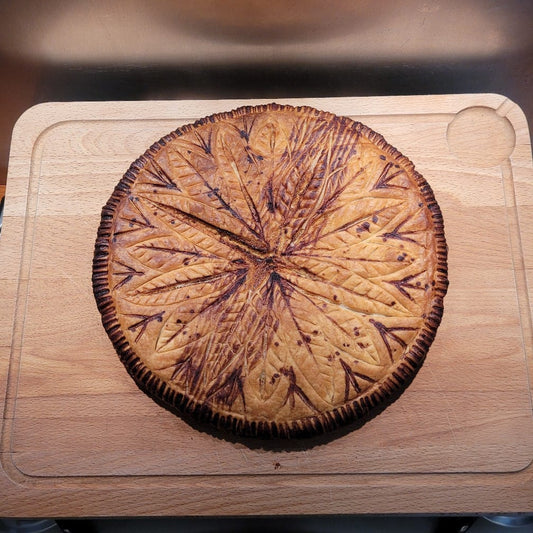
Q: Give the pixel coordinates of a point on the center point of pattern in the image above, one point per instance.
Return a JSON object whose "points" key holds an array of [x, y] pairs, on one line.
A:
{"points": [[264, 274], [270, 263]]}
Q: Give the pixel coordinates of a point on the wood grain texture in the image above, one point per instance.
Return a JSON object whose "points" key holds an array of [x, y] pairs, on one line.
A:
{"points": [[76, 429]]}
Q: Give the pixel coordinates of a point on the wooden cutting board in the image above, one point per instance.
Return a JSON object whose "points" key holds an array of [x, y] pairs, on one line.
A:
{"points": [[73, 418]]}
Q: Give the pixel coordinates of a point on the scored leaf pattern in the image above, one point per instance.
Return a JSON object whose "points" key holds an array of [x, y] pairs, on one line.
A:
{"points": [[273, 265]]}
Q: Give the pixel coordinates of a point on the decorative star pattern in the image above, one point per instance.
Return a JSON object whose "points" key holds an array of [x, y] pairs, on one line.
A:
{"points": [[272, 265]]}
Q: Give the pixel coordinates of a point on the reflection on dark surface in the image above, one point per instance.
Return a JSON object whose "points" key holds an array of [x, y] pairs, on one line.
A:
{"points": [[274, 22], [209, 32]]}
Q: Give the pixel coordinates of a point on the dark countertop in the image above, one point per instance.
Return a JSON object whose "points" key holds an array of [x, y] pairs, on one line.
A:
{"points": [[130, 50]]}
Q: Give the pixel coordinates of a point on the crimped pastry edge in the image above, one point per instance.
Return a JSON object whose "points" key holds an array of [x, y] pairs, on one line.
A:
{"points": [[360, 410]]}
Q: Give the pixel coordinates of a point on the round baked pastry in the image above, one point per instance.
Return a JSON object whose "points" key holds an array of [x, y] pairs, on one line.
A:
{"points": [[276, 271]]}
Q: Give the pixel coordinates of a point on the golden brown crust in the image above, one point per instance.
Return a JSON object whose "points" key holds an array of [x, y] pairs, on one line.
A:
{"points": [[275, 271]]}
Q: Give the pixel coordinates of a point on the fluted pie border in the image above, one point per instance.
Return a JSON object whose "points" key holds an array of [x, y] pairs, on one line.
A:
{"points": [[360, 410]]}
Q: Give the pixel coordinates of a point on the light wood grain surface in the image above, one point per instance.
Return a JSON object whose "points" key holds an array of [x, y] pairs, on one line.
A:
{"points": [[78, 437]]}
